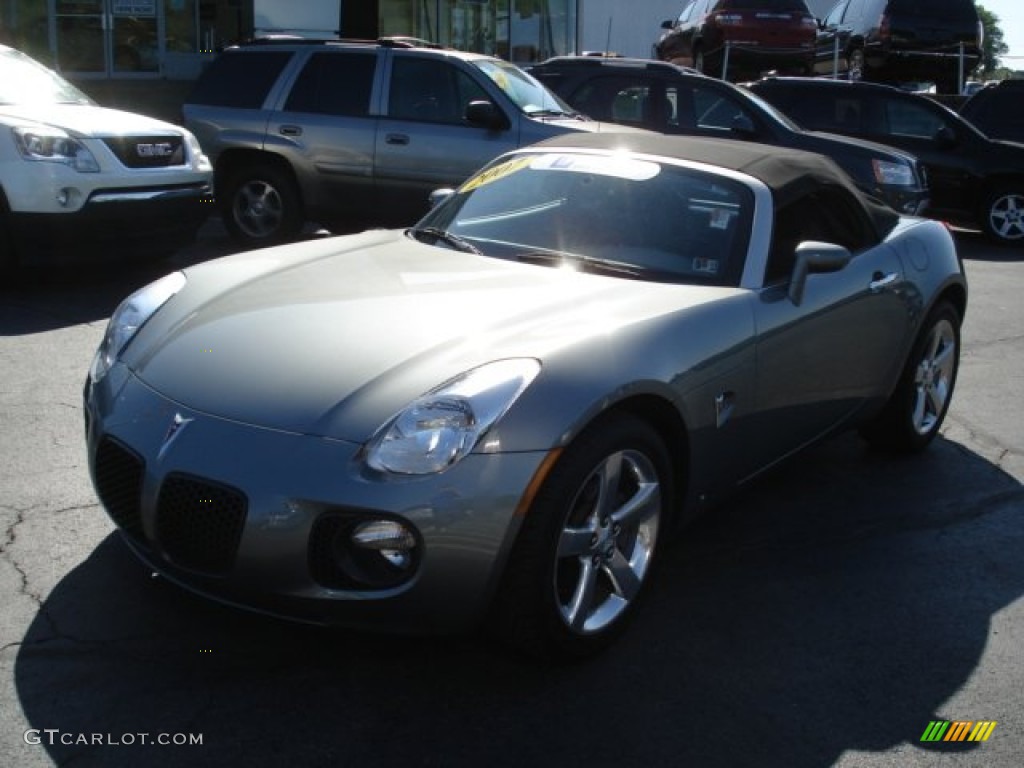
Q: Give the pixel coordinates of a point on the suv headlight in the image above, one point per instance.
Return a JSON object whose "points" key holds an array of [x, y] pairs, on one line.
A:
{"points": [[892, 174], [438, 429], [46, 144], [130, 315]]}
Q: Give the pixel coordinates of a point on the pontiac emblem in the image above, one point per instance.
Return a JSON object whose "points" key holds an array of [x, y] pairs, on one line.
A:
{"points": [[177, 426]]}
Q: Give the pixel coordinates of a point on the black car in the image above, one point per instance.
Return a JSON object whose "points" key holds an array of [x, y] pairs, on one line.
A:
{"points": [[664, 97], [996, 110], [974, 180], [896, 41]]}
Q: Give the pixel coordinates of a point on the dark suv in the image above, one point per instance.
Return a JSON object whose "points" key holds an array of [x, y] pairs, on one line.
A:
{"points": [[894, 41], [355, 134], [741, 38], [998, 110], [974, 180], [663, 97]]}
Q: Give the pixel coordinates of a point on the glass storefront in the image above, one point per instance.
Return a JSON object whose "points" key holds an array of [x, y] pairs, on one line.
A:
{"points": [[170, 38], [518, 30]]}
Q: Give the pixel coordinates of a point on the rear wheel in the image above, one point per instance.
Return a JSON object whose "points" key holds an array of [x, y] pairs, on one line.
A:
{"points": [[1002, 215], [588, 542], [915, 412], [261, 205]]}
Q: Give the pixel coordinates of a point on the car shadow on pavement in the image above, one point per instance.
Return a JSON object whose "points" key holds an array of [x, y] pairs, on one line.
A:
{"points": [[834, 606]]}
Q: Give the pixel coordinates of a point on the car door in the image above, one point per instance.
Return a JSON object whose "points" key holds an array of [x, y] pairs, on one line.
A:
{"points": [[326, 119], [423, 142], [841, 345]]}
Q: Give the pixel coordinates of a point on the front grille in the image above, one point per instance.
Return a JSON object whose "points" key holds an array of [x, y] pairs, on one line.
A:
{"points": [[148, 151], [118, 471], [199, 524]]}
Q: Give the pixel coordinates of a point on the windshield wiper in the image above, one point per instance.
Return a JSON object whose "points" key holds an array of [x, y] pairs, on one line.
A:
{"points": [[557, 113], [446, 237], [587, 263]]}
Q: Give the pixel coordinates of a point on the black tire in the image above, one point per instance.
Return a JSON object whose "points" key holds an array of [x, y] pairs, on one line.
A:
{"points": [[1002, 215], [261, 205], [579, 566], [8, 257], [915, 412]]}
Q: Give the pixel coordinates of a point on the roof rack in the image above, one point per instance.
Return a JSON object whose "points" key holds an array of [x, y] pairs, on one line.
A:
{"points": [[394, 41]]}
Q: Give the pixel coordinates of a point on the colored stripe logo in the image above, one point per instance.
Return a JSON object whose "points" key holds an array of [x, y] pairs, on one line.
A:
{"points": [[958, 730]]}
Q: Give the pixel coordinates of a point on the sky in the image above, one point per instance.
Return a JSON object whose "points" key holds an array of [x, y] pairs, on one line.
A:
{"points": [[1011, 21]]}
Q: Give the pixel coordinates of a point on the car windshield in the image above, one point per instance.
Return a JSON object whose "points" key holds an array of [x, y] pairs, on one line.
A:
{"points": [[527, 93], [606, 213], [25, 81]]}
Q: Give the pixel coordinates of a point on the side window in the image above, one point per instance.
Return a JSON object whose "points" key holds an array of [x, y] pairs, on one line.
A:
{"points": [[827, 215], [612, 98], [684, 15], [240, 80], [911, 120], [809, 109], [835, 15], [717, 112], [334, 84], [430, 90]]}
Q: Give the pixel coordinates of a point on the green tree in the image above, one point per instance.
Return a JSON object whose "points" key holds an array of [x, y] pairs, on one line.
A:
{"points": [[993, 46]]}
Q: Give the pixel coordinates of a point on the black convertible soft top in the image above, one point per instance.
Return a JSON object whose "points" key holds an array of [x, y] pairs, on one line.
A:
{"points": [[788, 173]]}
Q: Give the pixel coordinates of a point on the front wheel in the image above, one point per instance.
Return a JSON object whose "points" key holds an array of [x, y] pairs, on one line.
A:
{"points": [[261, 206], [586, 548], [915, 412], [1002, 215]]}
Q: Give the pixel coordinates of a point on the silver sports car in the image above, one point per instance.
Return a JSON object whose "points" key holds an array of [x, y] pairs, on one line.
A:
{"points": [[499, 415]]}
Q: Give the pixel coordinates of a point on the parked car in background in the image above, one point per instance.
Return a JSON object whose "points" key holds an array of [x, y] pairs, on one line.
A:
{"points": [[504, 412], [663, 97], [740, 38], [345, 133], [998, 110], [78, 181], [896, 41], [974, 180]]}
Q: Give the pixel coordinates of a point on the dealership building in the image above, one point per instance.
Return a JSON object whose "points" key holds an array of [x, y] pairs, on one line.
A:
{"points": [[172, 39]]}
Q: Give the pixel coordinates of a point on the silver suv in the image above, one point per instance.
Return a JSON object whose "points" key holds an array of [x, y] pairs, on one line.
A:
{"points": [[353, 133]]}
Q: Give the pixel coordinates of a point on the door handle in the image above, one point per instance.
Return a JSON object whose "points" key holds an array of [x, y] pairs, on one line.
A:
{"points": [[397, 138], [880, 282], [290, 130]]}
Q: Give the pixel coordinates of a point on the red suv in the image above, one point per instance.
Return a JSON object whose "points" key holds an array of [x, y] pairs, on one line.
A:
{"points": [[735, 39]]}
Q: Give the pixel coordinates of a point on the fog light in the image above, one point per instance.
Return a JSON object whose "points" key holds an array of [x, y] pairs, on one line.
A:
{"points": [[390, 538], [67, 196]]}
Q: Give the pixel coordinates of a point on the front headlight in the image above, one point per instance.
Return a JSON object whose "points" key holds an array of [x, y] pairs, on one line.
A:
{"points": [[130, 315], [47, 144], [438, 429], [892, 174]]}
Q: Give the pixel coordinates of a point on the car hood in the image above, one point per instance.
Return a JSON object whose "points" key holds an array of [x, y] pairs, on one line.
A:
{"points": [[333, 337], [85, 120]]}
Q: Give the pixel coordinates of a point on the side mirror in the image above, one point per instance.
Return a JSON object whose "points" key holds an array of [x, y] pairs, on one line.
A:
{"points": [[485, 115], [944, 137], [741, 123], [439, 196], [667, 24], [814, 257]]}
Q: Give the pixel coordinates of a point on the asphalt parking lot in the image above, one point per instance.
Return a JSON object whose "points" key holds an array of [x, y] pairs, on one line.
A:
{"points": [[824, 618]]}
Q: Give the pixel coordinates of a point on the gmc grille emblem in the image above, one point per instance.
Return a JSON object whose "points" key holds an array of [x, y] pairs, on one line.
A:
{"points": [[163, 149]]}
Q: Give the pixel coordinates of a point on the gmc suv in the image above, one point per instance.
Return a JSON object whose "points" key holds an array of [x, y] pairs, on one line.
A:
{"points": [[78, 181], [357, 133], [663, 97], [974, 180]]}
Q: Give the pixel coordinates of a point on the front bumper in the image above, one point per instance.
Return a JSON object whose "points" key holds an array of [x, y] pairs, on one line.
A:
{"points": [[234, 512], [114, 223]]}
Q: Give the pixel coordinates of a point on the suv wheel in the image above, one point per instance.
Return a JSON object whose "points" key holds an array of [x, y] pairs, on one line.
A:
{"points": [[261, 206], [1002, 215], [8, 259]]}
